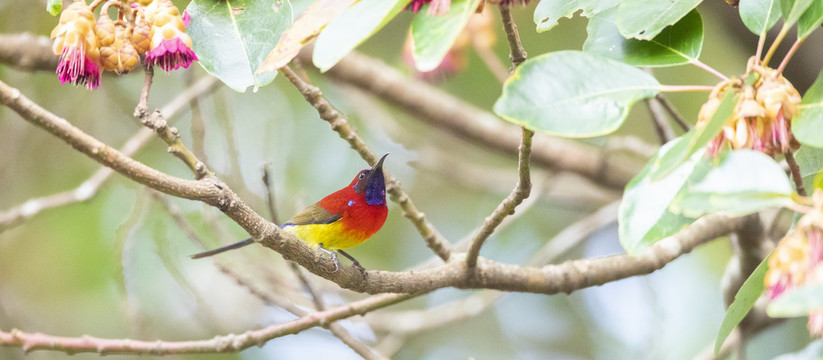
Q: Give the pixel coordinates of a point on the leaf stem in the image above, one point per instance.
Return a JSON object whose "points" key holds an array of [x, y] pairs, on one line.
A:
{"points": [[708, 68], [679, 88], [788, 56], [782, 34]]}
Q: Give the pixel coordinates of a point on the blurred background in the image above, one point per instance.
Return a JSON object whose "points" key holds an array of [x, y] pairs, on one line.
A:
{"points": [[117, 266]]}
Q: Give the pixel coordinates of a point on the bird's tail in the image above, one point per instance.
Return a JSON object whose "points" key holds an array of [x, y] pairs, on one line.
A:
{"points": [[236, 245]]}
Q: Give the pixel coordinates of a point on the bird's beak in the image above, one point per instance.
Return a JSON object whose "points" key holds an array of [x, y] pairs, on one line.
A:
{"points": [[379, 164]]}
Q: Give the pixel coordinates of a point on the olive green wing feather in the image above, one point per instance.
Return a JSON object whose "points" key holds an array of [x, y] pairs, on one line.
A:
{"points": [[314, 214]]}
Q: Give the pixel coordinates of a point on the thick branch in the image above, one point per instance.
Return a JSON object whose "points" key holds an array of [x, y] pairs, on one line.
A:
{"points": [[441, 109]]}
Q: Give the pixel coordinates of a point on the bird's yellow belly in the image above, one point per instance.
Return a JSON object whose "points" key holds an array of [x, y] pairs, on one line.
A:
{"points": [[333, 236]]}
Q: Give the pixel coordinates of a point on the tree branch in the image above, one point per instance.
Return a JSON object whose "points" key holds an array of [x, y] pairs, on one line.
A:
{"points": [[219, 344]]}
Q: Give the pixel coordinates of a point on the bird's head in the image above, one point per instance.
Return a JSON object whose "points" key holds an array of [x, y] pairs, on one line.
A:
{"points": [[371, 182]]}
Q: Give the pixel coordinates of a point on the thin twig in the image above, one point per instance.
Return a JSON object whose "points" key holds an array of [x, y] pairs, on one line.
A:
{"points": [[509, 204], [523, 188], [340, 124], [270, 199], [143, 105], [517, 55], [92, 185], [219, 344], [492, 62], [795, 170], [685, 126], [660, 121]]}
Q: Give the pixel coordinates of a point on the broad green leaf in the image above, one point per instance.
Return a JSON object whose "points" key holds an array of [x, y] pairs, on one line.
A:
{"points": [[677, 44], [792, 10], [54, 7], [434, 35], [810, 20], [548, 12], [743, 302], [352, 28], [759, 15], [232, 38], [302, 32], [797, 302], [643, 217], [808, 125], [696, 138], [744, 182], [644, 19], [573, 94], [810, 161]]}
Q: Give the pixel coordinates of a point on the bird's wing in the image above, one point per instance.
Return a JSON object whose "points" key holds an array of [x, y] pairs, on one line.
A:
{"points": [[314, 214]]}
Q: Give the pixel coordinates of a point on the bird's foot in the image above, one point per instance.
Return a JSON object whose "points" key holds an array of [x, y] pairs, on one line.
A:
{"points": [[354, 262], [333, 256]]}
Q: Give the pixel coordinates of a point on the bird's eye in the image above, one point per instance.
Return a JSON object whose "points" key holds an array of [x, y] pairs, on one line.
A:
{"points": [[362, 175]]}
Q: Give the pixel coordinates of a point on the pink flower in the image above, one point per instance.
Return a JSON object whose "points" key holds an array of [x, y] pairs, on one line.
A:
{"points": [[76, 68], [171, 54], [437, 7]]}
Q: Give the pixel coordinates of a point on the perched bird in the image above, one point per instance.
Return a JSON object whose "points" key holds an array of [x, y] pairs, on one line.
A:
{"points": [[345, 218]]}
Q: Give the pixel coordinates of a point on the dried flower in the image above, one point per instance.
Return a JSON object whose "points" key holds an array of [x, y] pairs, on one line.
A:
{"points": [[762, 116]]}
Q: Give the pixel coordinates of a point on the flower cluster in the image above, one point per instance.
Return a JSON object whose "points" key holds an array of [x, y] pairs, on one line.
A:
{"points": [[152, 28], [798, 261], [762, 116]]}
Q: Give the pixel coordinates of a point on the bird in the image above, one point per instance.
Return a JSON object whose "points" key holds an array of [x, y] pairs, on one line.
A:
{"points": [[343, 219]]}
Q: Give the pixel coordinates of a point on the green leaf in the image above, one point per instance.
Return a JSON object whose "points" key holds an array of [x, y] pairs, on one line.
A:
{"points": [[759, 15], [352, 28], [810, 20], [807, 127], [54, 7], [232, 38], [792, 10], [644, 19], [677, 44], [799, 301], [573, 94], [548, 12], [743, 302], [697, 138], [810, 161], [643, 217], [434, 35], [744, 182]]}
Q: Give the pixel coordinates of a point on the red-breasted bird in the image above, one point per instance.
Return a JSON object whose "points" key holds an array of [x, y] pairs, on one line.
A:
{"points": [[345, 218]]}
